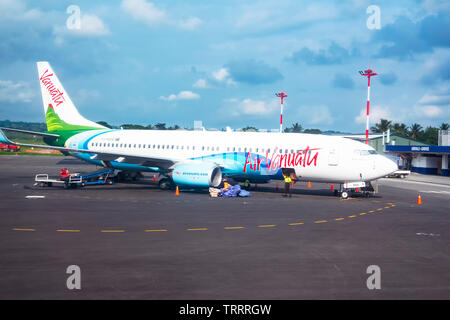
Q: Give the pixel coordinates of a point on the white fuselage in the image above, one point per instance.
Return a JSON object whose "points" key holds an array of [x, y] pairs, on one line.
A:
{"points": [[256, 154]]}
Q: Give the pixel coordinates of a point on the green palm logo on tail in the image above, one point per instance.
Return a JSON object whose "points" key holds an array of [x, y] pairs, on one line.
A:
{"points": [[54, 122]]}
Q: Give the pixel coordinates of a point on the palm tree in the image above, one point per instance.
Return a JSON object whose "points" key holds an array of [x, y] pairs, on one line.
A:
{"points": [[250, 129], [444, 126], [400, 128], [381, 126], [160, 126], [415, 130], [296, 127]]}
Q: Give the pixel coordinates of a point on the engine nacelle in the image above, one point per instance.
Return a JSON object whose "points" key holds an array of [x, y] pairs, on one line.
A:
{"points": [[197, 174]]}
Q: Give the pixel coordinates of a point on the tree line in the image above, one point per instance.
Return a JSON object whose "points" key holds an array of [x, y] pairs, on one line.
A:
{"points": [[415, 131]]}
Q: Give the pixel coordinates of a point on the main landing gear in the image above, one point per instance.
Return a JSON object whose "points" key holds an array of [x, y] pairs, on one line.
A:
{"points": [[166, 184]]}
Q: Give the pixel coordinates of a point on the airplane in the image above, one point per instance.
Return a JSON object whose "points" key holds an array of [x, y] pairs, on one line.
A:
{"points": [[201, 159]]}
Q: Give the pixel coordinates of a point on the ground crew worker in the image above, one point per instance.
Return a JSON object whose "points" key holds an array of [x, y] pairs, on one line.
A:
{"points": [[246, 184], [65, 174], [287, 185]]}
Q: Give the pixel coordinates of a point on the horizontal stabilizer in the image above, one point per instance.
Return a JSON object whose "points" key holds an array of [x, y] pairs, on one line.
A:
{"points": [[34, 133]]}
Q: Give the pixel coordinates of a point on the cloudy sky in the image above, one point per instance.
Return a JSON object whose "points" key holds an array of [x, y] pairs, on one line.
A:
{"points": [[142, 61]]}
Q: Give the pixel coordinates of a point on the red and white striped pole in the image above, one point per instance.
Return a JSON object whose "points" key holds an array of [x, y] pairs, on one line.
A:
{"points": [[368, 73], [281, 95]]}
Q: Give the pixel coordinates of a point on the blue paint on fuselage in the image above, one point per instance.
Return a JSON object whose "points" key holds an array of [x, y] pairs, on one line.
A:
{"points": [[232, 162]]}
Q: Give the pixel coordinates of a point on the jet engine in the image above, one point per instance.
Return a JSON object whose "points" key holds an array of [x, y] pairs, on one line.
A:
{"points": [[197, 174]]}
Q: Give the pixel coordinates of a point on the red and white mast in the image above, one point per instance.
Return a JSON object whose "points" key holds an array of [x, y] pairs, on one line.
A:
{"points": [[368, 73], [281, 95]]}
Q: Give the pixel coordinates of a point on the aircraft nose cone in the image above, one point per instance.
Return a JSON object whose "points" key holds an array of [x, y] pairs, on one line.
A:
{"points": [[390, 166]]}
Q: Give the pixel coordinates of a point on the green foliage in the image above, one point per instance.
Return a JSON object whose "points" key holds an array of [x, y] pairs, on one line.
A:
{"points": [[381, 126], [105, 124], [312, 131], [296, 127], [414, 131], [249, 129]]}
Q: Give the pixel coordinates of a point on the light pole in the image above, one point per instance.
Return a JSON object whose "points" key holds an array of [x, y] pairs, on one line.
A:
{"points": [[368, 73], [281, 95]]}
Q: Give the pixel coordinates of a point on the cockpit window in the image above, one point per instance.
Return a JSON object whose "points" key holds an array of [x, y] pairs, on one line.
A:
{"points": [[367, 152]]}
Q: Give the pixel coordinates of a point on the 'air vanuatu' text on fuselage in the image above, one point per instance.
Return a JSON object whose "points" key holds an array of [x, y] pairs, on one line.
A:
{"points": [[303, 157]]}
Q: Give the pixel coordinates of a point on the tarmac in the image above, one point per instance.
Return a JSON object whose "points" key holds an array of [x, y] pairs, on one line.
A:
{"points": [[134, 241]]}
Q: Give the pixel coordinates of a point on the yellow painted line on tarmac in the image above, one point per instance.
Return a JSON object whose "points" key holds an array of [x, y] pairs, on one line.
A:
{"points": [[352, 216], [339, 219], [267, 226], [392, 205], [296, 223], [197, 229], [386, 207], [113, 231], [156, 230], [320, 221], [371, 211], [67, 230], [379, 209], [19, 229], [233, 228], [362, 213]]}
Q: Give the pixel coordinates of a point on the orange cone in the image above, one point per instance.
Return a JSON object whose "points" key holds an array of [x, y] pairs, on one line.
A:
{"points": [[177, 191], [419, 199], [332, 188], [357, 189], [309, 184], [154, 178], [276, 187]]}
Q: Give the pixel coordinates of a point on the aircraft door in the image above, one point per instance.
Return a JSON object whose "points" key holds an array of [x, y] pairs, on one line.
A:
{"points": [[333, 157]]}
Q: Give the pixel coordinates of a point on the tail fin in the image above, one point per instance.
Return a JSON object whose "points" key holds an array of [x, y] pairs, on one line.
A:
{"points": [[60, 113]]}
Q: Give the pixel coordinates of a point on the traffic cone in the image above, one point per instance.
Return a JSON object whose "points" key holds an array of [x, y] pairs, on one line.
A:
{"points": [[332, 188], [357, 189], [419, 199], [177, 191], [309, 185], [154, 178], [276, 187]]}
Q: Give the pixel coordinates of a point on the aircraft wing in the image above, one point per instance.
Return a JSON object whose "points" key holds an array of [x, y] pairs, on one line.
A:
{"points": [[160, 162]]}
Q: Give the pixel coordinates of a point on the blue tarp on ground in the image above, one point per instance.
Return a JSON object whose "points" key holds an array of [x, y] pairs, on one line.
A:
{"points": [[234, 191]]}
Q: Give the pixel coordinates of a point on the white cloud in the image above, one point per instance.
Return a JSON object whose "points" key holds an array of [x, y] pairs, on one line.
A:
{"points": [[200, 84], [14, 92], [143, 11], [253, 107], [183, 95], [191, 23], [316, 115], [376, 113], [429, 111], [222, 76], [92, 25]]}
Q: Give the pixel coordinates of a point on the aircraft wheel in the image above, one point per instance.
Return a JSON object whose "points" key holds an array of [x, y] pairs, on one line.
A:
{"points": [[166, 184], [344, 195]]}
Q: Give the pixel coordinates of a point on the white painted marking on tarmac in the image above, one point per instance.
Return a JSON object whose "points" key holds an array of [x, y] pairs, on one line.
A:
{"points": [[433, 191], [418, 182], [428, 234], [35, 197]]}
